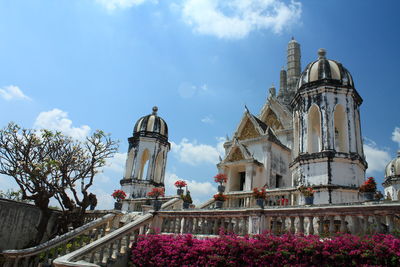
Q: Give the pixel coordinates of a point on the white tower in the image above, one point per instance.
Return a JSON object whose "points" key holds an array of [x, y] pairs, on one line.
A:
{"points": [[147, 156], [327, 152], [392, 178]]}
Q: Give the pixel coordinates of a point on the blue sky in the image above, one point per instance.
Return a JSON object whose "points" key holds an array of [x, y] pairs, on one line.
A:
{"points": [[81, 65]]}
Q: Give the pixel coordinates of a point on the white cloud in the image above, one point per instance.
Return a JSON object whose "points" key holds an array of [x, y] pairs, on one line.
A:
{"points": [[396, 135], [11, 92], [199, 191], [236, 19], [193, 153], [116, 163], [377, 158], [187, 90], [207, 119], [58, 120], [120, 4]]}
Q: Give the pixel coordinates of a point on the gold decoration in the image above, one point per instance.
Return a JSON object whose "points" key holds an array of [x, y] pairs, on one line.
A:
{"points": [[248, 131], [236, 155], [272, 120]]}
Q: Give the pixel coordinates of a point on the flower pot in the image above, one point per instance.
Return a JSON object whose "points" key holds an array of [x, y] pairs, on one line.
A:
{"points": [[221, 188], [186, 205], [260, 202], [179, 191], [117, 205], [309, 200], [157, 204], [369, 196], [218, 204]]}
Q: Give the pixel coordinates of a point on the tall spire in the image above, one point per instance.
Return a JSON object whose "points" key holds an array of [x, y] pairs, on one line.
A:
{"points": [[293, 64], [283, 81]]}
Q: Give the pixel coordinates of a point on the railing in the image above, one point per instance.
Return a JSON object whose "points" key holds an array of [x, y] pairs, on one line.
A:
{"points": [[145, 204], [109, 248], [43, 254], [245, 199], [322, 220]]}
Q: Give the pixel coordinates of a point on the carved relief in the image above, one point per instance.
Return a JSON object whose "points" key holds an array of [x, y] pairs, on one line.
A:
{"points": [[236, 155], [248, 131], [272, 121]]}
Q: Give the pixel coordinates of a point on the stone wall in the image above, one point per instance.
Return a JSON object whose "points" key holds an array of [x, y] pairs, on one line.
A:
{"points": [[18, 223]]}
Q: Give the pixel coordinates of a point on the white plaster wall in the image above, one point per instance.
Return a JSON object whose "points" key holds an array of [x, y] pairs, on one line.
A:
{"points": [[347, 174], [337, 196], [394, 190], [315, 173]]}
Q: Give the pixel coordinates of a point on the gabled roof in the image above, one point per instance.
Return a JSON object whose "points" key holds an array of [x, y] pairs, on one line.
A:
{"points": [[283, 115]]}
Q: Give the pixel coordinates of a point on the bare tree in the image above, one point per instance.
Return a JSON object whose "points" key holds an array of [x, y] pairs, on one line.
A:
{"points": [[48, 164]]}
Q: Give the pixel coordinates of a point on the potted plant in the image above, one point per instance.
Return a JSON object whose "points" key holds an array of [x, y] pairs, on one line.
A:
{"points": [[180, 184], [156, 192], [368, 188], [118, 195], [221, 178], [187, 200], [219, 200], [260, 196], [308, 194]]}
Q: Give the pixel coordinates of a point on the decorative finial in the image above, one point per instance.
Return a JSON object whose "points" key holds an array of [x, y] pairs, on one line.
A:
{"points": [[246, 109], [292, 38], [321, 53], [155, 109], [272, 90], [398, 153]]}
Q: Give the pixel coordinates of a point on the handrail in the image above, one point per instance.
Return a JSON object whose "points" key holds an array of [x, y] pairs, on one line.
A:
{"points": [[96, 251], [15, 256], [171, 202]]}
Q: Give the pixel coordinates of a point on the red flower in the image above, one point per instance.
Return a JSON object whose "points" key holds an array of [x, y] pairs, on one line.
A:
{"points": [[262, 193], [220, 197], [180, 184], [119, 195], [369, 185], [220, 178], [156, 192]]}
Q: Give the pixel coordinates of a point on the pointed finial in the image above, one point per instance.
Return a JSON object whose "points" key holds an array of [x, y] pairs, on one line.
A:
{"points": [[292, 38], [155, 109], [321, 53], [246, 109]]}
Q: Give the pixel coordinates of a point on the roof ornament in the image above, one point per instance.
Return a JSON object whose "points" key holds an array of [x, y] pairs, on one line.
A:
{"points": [[321, 53], [246, 108], [155, 109]]}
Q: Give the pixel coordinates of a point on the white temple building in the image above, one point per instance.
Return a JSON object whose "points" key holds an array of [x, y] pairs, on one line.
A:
{"points": [[307, 134]]}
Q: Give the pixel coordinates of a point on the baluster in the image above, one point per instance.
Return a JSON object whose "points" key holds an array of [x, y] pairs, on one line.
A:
{"points": [[366, 227], [172, 225], [230, 226], [378, 221], [92, 257], [301, 224], [215, 228], [101, 256], [310, 225], [110, 251], [331, 224], [283, 225], [237, 222], [244, 230], [119, 247], [356, 228], [273, 221], [16, 262], [320, 225], [343, 224], [181, 221], [292, 225], [390, 223]]}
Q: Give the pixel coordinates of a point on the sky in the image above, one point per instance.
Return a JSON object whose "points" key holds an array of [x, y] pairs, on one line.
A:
{"points": [[82, 65]]}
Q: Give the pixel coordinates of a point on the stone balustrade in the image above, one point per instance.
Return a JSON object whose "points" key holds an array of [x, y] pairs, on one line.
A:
{"points": [[323, 220], [43, 254], [109, 249]]}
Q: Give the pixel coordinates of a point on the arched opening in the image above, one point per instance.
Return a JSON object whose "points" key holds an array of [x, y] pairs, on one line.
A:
{"points": [[340, 122], [314, 129], [144, 164], [296, 130], [159, 167]]}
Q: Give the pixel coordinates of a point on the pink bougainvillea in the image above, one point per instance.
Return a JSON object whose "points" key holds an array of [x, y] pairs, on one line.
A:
{"points": [[266, 250]]}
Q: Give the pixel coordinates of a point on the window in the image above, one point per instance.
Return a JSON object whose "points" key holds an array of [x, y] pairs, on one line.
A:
{"points": [[242, 176], [340, 121], [278, 181], [144, 164]]}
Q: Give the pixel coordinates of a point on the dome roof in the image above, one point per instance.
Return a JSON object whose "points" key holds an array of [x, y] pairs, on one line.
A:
{"points": [[393, 168], [325, 71], [151, 124]]}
